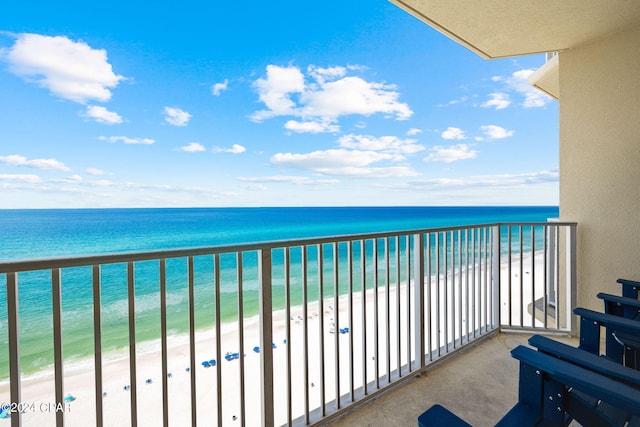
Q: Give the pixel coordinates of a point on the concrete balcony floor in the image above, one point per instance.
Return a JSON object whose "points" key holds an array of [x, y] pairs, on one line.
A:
{"points": [[479, 385]]}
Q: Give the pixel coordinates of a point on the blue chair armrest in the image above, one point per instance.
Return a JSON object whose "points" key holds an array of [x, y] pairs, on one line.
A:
{"points": [[605, 319], [586, 360], [621, 306], [631, 302], [630, 288]]}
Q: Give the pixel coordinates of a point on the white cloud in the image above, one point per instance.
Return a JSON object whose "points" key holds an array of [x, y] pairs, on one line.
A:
{"points": [[329, 73], [361, 125], [353, 95], [218, 88], [454, 102], [453, 133], [540, 177], [68, 69], [275, 91], [341, 162], [75, 178], [311, 127], [256, 187], [451, 154], [318, 160], [127, 140], [235, 149], [464, 183], [29, 179], [288, 179], [102, 115], [330, 94], [95, 171], [18, 160], [519, 82], [130, 187], [496, 132], [77, 191], [176, 116], [79, 180], [193, 147], [387, 144], [413, 131], [498, 100], [355, 157]]}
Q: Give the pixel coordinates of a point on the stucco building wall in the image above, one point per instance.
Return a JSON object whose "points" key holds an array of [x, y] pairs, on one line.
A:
{"points": [[600, 160]]}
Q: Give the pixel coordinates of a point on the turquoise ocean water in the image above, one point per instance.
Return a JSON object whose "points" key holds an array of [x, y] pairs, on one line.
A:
{"points": [[34, 234]]}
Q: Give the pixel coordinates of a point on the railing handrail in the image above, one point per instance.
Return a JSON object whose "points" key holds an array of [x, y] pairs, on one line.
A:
{"points": [[36, 264]]}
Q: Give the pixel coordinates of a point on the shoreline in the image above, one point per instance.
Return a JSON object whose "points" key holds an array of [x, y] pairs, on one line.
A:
{"points": [[37, 389]]}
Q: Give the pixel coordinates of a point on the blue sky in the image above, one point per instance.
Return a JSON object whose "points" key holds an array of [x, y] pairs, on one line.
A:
{"points": [[262, 104]]}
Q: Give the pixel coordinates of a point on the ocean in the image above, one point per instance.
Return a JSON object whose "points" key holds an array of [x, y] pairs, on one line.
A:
{"points": [[37, 234]]}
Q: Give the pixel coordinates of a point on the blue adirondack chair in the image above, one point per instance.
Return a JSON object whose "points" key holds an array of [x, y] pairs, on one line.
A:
{"points": [[628, 308], [622, 336], [552, 392]]}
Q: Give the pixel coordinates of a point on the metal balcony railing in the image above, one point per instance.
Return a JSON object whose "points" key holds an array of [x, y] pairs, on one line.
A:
{"points": [[334, 321]]}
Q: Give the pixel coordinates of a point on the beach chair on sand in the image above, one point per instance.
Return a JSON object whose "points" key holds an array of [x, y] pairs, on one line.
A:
{"points": [[553, 392]]}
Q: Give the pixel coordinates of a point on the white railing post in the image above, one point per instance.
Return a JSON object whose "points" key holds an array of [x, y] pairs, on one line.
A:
{"points": [[571, 271], [266, 336], [163, 339], [56, 303], [552, 233], [131, 298], [418, 298], [495, 276], [97, 343], [14, 343]]}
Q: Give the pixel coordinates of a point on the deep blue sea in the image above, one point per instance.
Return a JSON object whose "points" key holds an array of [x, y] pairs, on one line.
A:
{"points": [[34, 234]]}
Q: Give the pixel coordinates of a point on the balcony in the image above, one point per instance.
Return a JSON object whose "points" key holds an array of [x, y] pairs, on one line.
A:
{"points": [[284, 333], [480, 385]]}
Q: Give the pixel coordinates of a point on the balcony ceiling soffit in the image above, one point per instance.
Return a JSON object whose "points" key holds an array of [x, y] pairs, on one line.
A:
{"points": [[502, 28]]}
